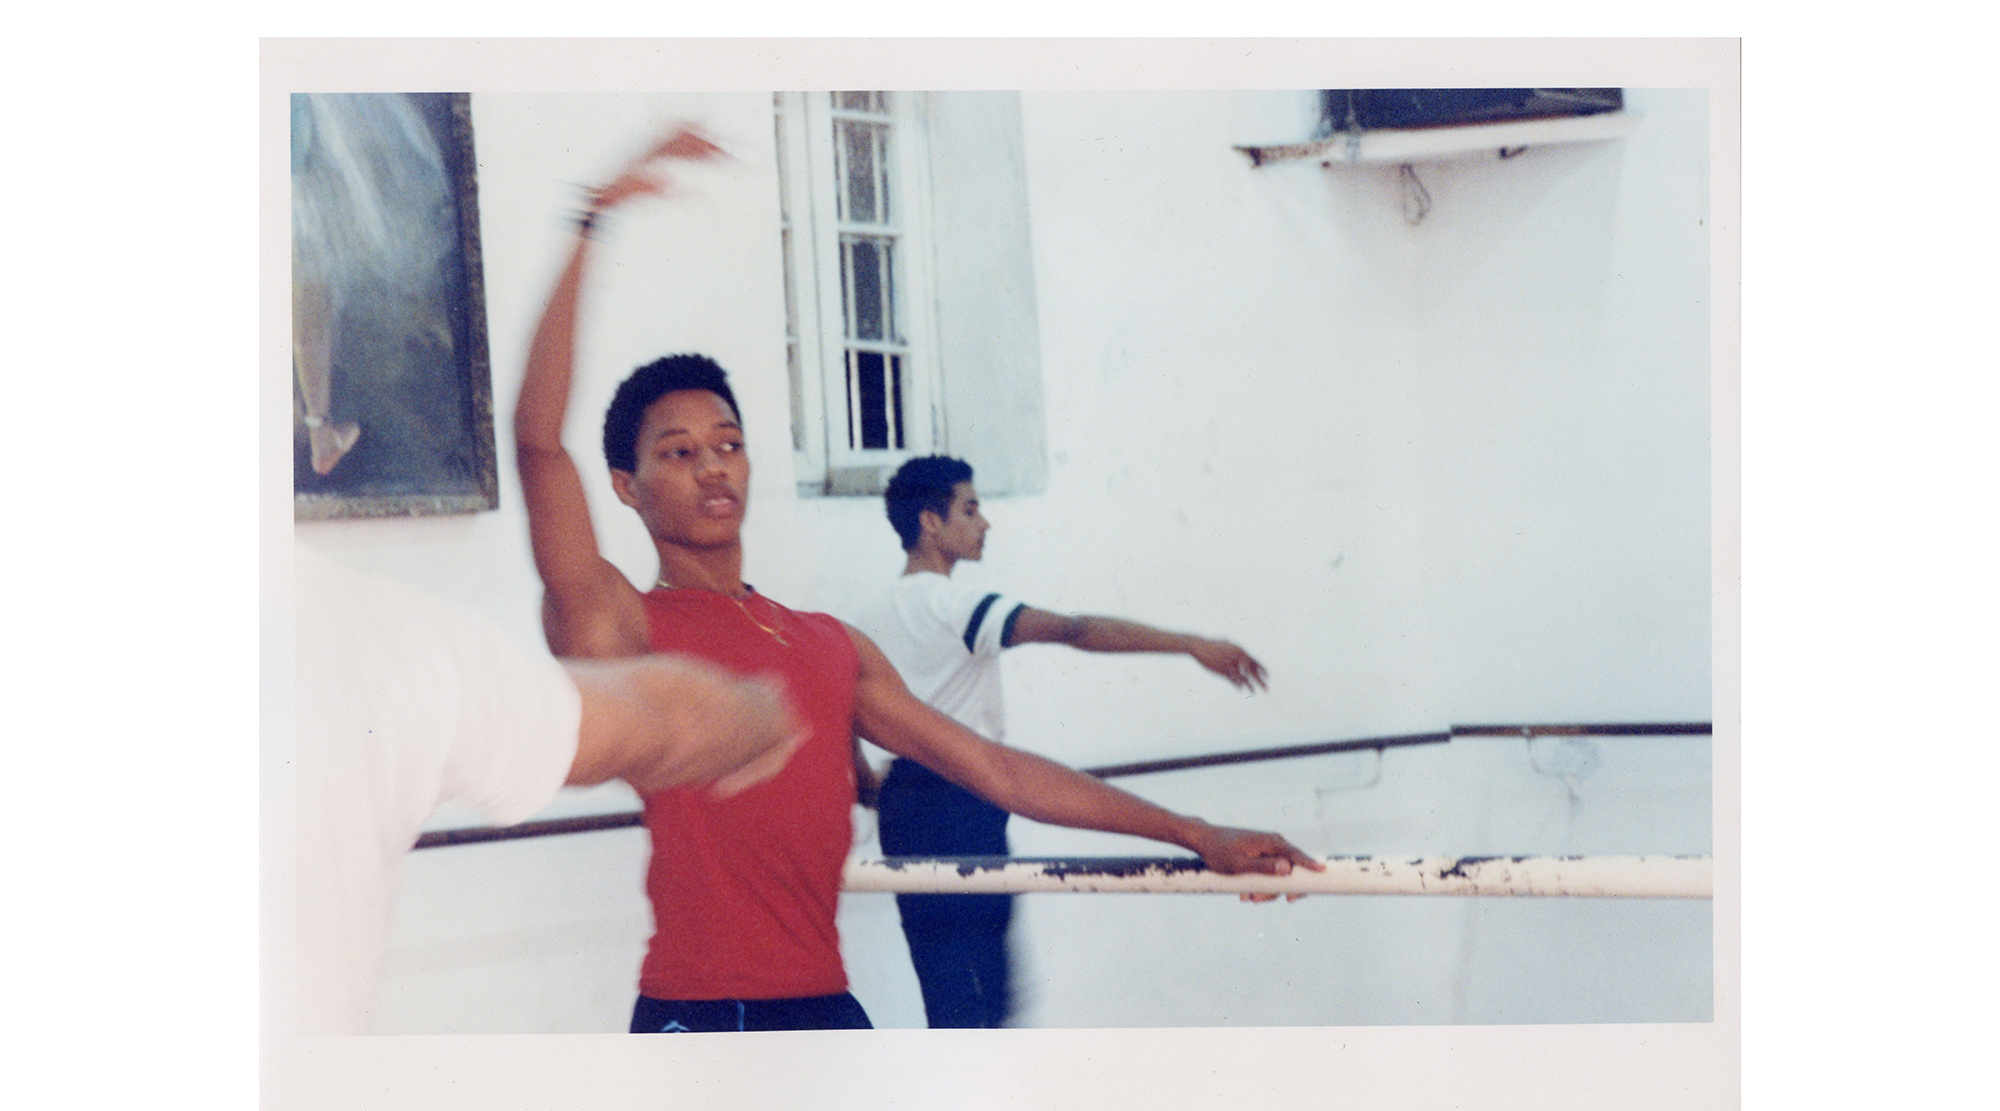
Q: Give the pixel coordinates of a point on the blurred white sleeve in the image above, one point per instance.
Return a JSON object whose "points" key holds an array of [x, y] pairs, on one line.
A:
{"points": [[403, 702]]}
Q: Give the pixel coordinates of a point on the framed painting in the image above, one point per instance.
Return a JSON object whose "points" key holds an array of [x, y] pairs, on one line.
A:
{"points": [[392, 393]]}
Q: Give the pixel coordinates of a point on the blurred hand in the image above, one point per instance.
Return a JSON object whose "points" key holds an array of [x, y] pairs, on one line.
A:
{"points": [[670, 721], [764, 717], [646, 175], [1230, 662]]}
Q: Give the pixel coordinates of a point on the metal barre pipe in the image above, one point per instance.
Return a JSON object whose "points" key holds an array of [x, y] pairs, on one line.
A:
{"points": [[1672, 728], [1644, 877], [1651, 729], [1254, 755], [473, 835]]}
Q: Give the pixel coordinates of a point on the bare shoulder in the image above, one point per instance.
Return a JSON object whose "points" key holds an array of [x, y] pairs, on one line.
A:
{"points": [[873, 661], [878, 686]]}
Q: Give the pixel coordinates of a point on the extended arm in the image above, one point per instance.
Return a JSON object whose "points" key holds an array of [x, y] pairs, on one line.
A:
{"points": [[584, 604], [666, 721], [1025, 784], [1113, 634], [589, 610]]}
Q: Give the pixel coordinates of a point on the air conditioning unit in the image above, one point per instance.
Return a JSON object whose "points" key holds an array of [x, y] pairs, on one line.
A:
{"points": [[1345, 110], [1402, 126]]}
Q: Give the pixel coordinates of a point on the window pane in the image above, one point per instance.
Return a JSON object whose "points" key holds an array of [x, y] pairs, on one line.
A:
{"points": [[863, 153], [896, 402], [867, 286], [797, 374], [784, 169], [875, 400], [890, 315], [862, 102], [885, 206], [791, 293]]}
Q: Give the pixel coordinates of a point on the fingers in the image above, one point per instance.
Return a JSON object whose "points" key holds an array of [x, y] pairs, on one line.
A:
{"points": [[1296, 855], [667, 721], [1238, 851], [643, 176], [770, 712], [1246, 671], [1276, 856], [1237, 674], [760, 769], [1264, 853], [685, 141], [1254, 674], [632, 183], [1239, 667], [1269, 896]]}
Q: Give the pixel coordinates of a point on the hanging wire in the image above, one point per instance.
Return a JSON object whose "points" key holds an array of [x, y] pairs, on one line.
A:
{"points": [[1416, 198], [1570, 759], [1344, 776]]}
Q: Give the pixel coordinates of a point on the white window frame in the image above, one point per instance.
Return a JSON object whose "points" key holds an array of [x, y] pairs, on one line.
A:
{"points": [[823, 422]]}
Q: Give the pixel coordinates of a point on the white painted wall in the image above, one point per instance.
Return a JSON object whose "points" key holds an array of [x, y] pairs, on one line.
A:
{"points": [[1431, 474]]}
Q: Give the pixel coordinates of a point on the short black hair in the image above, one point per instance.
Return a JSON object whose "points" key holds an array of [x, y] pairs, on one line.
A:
{"points": [[648, 384], [922, 483]]}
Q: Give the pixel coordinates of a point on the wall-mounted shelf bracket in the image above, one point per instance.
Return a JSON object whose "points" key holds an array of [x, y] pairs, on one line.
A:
{"points": [[1396, 147]]}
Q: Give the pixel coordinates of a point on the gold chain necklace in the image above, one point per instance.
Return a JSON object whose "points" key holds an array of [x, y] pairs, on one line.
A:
{"points": [[775, 634]]}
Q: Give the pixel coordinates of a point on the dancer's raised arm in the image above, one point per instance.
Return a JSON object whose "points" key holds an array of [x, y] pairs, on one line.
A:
{"points": [[589, 608]]}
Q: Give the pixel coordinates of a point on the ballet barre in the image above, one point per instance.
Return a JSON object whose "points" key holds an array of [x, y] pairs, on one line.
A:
{"points": [[1643, 877]]}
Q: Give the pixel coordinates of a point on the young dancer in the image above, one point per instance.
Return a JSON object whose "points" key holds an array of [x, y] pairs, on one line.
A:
{"points": [[744, 889], [945, 640]]}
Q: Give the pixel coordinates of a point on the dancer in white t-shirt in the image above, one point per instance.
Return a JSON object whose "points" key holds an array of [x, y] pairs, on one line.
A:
{"points": [[945, 639], [404, 702]]}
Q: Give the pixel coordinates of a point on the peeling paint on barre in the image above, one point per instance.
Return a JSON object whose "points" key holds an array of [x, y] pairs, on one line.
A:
{"points": [[1458, 867], [1059, 868], [1682, 877], [1118, 867]]}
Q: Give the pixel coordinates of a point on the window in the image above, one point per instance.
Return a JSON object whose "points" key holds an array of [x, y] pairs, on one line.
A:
{"points": [[899, 213], [853, 200]]}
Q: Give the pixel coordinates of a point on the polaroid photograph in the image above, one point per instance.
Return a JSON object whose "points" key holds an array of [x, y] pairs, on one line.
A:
{"points": [[1327, 447]]}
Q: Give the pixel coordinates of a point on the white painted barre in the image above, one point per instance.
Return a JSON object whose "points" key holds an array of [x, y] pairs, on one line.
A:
{"points": [[1641, 877]]}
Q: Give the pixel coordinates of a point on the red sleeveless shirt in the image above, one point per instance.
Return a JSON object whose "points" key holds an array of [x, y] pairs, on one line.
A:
{"points": [[744, 889]]}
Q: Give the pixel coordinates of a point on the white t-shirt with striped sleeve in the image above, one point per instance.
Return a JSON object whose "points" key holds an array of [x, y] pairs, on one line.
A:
{"points": [[945, 640]]}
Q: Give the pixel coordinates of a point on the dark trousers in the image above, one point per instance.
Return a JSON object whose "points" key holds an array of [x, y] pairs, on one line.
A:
{"points": [[958, 943], [714, 1016]]}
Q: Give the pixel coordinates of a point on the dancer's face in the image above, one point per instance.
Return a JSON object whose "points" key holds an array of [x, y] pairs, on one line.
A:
{"points": [[692, 482], [961, 534]]}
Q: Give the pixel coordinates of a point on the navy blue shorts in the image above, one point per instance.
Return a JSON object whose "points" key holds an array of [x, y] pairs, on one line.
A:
{"points": [[958, 943], [924, 814], [714, 1016]]}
